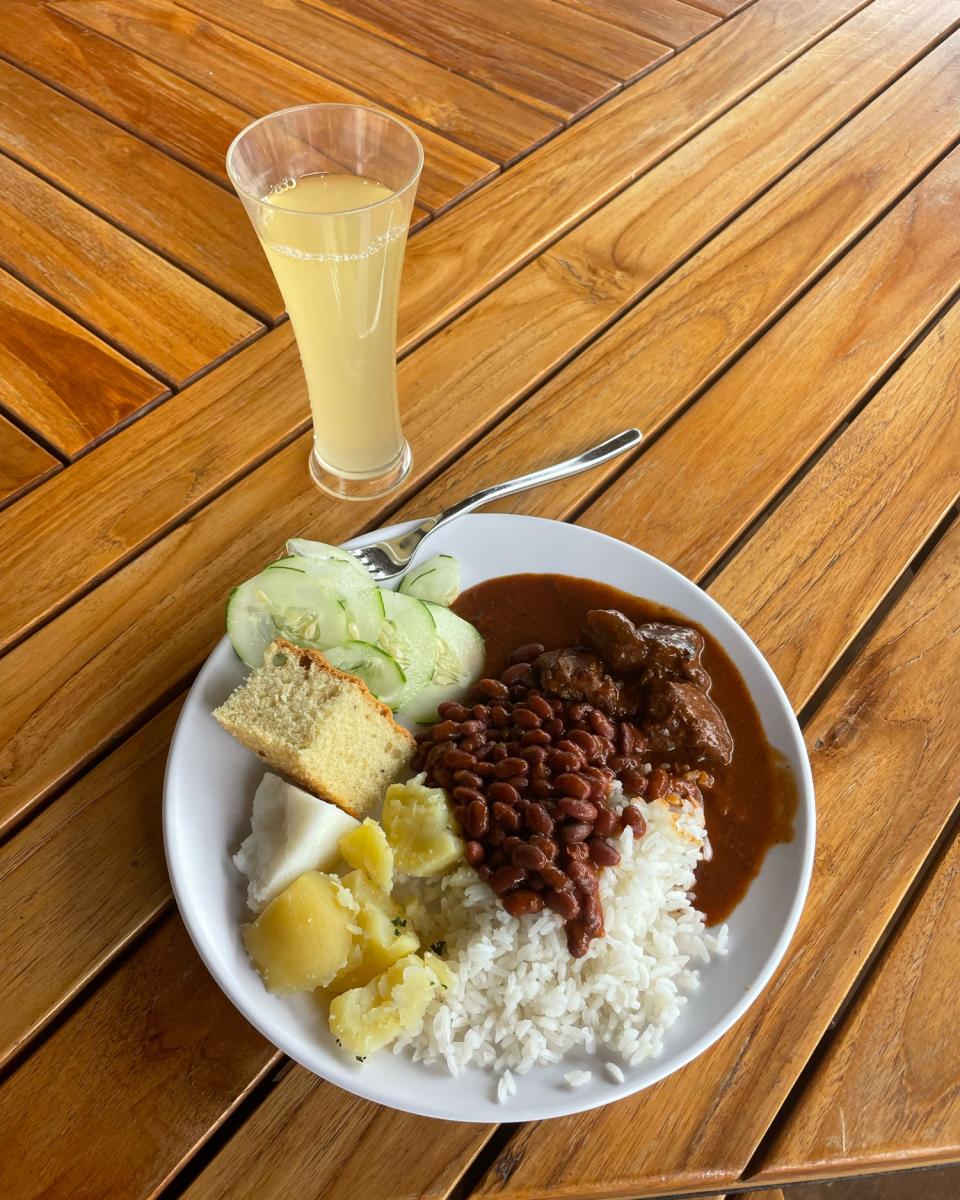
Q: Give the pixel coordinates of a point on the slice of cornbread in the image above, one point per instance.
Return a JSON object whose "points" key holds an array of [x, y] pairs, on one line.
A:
{"points": [[319, 727]]}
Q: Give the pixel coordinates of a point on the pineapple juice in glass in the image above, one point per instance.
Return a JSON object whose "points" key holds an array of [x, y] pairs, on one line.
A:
{"points": [[329, 189]]}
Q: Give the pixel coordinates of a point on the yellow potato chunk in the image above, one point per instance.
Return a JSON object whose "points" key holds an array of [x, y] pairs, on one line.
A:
{"points": [[421, 828], [386, 934], [367, 848], [365, 1019], [303, 938], [436, 964]]}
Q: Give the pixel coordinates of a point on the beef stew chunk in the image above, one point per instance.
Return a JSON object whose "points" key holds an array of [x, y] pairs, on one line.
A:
{"points": [[652, 650], [578, 675], [681, 719]]}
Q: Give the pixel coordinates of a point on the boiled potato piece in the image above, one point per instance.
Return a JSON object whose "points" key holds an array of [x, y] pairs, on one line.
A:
{"points": [[421, 828], [367, 847], [386, 934], [439, 968], [304, 936], [365, 1019]]}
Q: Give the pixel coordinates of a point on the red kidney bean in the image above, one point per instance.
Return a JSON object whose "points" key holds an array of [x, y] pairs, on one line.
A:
{"points": [[499, 715], [478, 819], [563, 902], [518, 673], [658, 783], [541, 707], [484, 871], [534, 755], [600, 724], [450, 710], [547, 846], [472, 742], [564, 760], [578, 940], [536, 737], [467, 795], [467, 779], [626, 737], [525, 653], [503, 792], [583, 876], [633, 817], [576, 831], [497, 754], [474, 853], [555, 877], [554, 727], [579, 810], [592, 915], [481, 713], [525, 718], [573, 785], [635, 782], [576, 852], [602, 853], [539, 820], [519, 783], [605, 823], [495, 835], [530, 857], [505, 816], [584, 741], [598, 791], [523, 903], [511, 766], [507, 878], [492, 689], [443, 730], [484, 769], [460, 812], [458, 759]]}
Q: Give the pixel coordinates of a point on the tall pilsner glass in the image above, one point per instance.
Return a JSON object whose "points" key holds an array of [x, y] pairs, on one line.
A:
{"points": [[329, 189]]}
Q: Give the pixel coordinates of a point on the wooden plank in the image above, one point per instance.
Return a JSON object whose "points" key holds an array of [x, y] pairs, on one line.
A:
{"points": [[671, 344], [22, 461], [493, 124], [137, 300], [885, 1093], [557, 86], [512, 219], [669, 21], [147, 1021], [537, 25], [887, 731], [154, 103], [161, 202], [58, 378], [664, 216], [826, 353], [257, 81], [81, 881], [723, 8], [896, 678]]}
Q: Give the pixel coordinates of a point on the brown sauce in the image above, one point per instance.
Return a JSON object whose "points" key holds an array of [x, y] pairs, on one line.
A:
{"points": [[752, 805]]}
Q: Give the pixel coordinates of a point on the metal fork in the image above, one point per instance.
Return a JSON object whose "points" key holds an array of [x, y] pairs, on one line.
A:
{"points": [[392, 556]]}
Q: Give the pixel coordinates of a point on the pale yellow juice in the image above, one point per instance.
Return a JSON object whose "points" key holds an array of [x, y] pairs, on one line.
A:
{"points": [[339, 276]]}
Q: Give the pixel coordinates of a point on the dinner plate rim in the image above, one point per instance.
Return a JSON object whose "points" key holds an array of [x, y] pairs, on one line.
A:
{"points": [[361, 1083]]}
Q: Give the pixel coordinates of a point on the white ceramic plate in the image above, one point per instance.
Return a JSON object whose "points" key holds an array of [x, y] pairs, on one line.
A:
{"points": [[210, 783]]}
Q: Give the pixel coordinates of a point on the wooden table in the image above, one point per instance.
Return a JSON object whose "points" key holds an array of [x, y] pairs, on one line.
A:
{"points": [[736, 229]]}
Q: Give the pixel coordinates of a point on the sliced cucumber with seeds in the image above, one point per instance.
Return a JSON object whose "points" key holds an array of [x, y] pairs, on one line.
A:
{"points": [[321, 551], [437, 580], [409, 635], [460, 657], [382, 674]]}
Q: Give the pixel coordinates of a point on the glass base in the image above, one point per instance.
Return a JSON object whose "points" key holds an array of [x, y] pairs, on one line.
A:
{"points": [[360, 487]]}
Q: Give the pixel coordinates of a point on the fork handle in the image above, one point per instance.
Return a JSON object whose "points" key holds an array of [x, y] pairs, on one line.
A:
{"points": [[571, 466]]}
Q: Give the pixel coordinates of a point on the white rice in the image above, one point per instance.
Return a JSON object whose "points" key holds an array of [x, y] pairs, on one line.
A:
{"points": [[613, 1072], [520, 1000], [577, 1079]]}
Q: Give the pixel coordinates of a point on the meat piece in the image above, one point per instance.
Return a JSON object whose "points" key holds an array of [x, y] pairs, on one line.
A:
{"points": [[578, 675], [655, 650], [683, 720]]}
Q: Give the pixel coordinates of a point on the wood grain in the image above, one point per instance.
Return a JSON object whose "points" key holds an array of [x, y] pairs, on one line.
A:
{"points": [[168, 321], [681, 336], [162, 203], [58, 378], [555, 85], [885, 1094], [590, 275], [493, 124], [82, 880], [157, 104], [22, 461], [166, 1028], [512, 219], [257, 81], [668, 21], [825, 354], [538, 25], [887, 730]]}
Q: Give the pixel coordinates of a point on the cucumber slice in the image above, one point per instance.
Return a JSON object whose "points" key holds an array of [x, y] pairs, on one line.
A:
{"points": [[321, 551], [408, 634], [437, 580], [381, 673], [460, 658]]}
